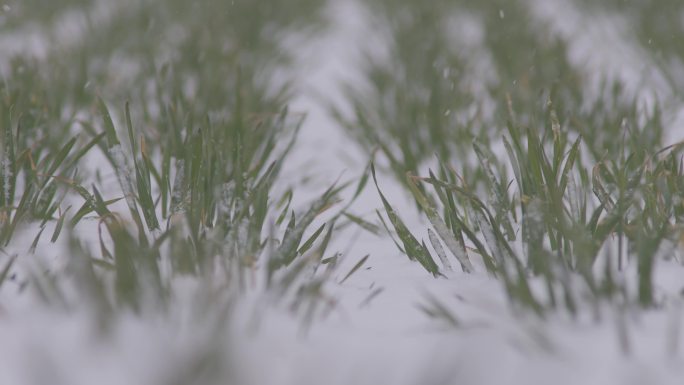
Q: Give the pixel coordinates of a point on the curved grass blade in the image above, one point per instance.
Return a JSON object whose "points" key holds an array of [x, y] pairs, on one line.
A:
{"points": [[356, 267], [413, 248]]}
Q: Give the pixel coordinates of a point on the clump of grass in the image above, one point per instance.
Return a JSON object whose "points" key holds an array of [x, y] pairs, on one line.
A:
{"points": [[561, 219], [196, 155], [563, 194], [215, 210], [37, 167]]}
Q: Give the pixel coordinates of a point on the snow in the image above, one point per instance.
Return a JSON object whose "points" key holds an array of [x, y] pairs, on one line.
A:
{"points": [[386, 341]]}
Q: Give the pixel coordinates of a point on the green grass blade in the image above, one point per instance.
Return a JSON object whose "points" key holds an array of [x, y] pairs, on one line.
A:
{"points": [[356, 267]]}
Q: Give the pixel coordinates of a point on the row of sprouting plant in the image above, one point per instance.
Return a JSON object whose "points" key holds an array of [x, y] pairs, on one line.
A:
{"points": [[183, 181], [561, 189]]}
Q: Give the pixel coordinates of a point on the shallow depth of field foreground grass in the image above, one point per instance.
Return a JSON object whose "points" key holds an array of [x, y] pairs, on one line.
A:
{"points": [[504, 188]]}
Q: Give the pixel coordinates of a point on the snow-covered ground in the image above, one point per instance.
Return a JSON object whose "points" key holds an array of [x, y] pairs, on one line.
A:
{"points": [[376, 333], [390, 340]]}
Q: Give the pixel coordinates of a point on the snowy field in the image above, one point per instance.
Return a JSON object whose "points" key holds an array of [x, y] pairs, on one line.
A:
{"points": [[187, 195]]}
